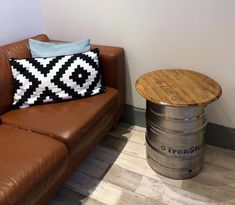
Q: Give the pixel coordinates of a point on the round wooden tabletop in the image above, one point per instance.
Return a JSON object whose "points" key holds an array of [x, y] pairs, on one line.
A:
{"points": [[178, 87]]}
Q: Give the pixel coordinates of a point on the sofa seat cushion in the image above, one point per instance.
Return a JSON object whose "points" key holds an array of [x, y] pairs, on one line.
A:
{"points": [[25, 159], [66, 121]]}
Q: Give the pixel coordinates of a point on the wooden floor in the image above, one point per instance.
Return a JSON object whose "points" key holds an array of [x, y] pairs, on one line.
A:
{"points": [[116, 173]]}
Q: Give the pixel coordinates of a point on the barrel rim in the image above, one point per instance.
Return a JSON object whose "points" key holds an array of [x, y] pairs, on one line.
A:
{"points": [[203, 114], [176, 132]]}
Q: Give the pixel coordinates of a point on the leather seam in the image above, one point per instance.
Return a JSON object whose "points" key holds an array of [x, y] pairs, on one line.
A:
{"points": [[31, 130]]}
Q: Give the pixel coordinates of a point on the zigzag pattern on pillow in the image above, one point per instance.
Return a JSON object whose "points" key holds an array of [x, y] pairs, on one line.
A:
{"points": [[43, 80]]}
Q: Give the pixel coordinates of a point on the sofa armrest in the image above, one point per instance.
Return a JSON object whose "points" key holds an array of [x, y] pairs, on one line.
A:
{"points": [[112, 63]]}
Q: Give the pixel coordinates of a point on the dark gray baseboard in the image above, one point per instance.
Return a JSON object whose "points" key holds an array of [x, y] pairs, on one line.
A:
{"points": [[217, 135], [220, 136], [134, 116]]}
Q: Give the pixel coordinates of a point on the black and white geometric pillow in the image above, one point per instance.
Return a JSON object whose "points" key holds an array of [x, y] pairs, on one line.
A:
{"points": [[53, 79]]}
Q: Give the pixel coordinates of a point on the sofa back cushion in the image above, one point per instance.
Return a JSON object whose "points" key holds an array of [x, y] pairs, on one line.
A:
{"points": [[18, 49], [51, 49]]}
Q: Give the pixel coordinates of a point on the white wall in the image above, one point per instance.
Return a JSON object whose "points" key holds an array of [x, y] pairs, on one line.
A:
{"points": [[19, 19], [196, 34]]}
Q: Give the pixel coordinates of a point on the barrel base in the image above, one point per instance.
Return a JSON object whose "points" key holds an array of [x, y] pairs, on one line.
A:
{"points": [[173, 174]]}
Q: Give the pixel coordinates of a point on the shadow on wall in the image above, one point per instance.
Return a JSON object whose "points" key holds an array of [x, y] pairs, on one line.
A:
{"points": [[129, 84], [219, 111]]}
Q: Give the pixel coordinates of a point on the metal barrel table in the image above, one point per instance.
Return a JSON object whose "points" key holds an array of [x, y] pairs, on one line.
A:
{"points": [[176, 122]]}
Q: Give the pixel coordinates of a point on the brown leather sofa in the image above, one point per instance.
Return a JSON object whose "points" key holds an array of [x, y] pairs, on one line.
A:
{"points": [[40, 146]]}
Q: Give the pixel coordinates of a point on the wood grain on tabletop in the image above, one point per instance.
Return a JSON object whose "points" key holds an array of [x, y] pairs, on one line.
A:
{"points": [[178, 87]]}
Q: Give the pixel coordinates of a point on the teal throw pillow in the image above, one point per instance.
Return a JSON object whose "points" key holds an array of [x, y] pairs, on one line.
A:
{"points": [[40, 49]]}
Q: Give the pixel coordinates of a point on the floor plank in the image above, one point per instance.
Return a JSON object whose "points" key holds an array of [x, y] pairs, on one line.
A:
{"points": [[69, 197], [135, 149], [104, 154], [132, 127], [122, 177], [150, 201], [94, 167], [128, 197], [114, 142], [219, 157], [82, 183], [131, 135], [173, 195], [116, 173], [107, 193]]}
